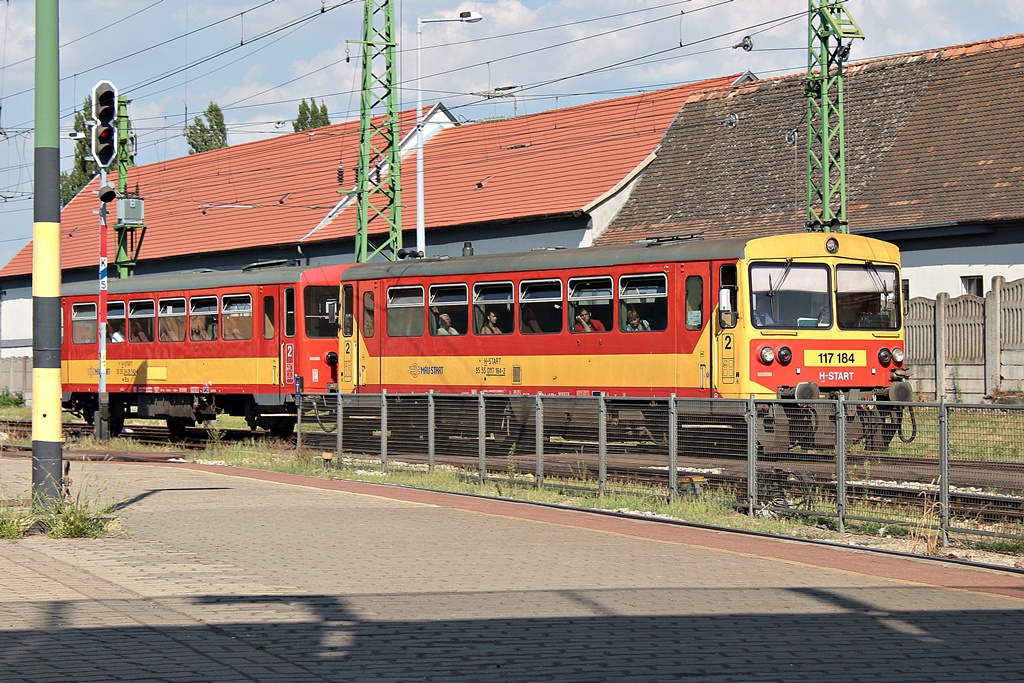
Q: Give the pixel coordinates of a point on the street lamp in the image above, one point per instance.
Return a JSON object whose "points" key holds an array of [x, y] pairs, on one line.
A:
{"points": [[467, 18]]}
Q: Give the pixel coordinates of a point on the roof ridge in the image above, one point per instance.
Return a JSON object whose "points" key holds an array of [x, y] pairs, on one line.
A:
{"points": [[1008, 42]]}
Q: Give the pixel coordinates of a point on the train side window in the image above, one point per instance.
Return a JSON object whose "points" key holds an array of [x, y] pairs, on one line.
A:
{"points": [[405, 311], [141, 319], [590, 304], [449, 310], [728, 296], [203, 318], [694, 302], [268, 317], [540, 302], [347, 302], [172, 322], [289, 311], [83, 323], [115, 322], [320, 309], [492, 308], [368, 327], [643, 303], [237, 316]]}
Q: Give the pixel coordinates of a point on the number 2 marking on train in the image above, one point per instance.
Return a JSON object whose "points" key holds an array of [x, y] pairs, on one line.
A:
{"points": [[728, 342]]}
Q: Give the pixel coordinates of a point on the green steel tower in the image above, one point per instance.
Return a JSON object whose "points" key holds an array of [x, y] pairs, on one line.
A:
{"points": [[828, 25], [378, 177], [127, 226]]}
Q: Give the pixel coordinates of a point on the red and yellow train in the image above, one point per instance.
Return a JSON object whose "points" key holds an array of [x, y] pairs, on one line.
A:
{"points": [[801, 316]]}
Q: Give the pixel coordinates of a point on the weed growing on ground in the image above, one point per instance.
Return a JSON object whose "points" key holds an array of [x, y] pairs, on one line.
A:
{"points": [[14, 521]]}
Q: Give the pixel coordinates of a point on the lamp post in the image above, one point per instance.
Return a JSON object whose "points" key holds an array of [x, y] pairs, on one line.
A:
{"points": [[467, 18]]}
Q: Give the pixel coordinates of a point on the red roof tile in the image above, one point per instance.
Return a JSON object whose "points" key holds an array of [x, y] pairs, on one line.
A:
{"points": [[275, 191]]}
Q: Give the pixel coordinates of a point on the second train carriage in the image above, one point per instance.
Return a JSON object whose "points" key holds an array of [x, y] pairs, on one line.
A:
{"points": [[800, 316], [183, 348]]}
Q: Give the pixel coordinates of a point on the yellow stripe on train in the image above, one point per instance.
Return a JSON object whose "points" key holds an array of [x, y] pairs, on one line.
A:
{"points": [[169, 371]]}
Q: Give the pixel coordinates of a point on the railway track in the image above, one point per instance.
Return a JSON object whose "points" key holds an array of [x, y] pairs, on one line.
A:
{"points": [[893, 481]]}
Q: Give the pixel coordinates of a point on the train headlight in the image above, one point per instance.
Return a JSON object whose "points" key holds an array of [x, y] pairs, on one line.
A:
{"points": [[884, 356], [897, 356], [767, 355], [785, 355], [832, 245]]}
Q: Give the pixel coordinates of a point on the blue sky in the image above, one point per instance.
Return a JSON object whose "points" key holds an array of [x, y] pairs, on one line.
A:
{"points": [[258, 58]]}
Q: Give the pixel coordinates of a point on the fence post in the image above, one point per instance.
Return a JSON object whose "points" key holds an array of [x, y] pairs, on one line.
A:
{"points": [[338, 424], [383, 429], [602, 444], [993, 328], [538, 419], [673, 448], [481, 420], [431, 430], [840, 407], [944, 471], [298, 414], [751, 417], [941, 333]]}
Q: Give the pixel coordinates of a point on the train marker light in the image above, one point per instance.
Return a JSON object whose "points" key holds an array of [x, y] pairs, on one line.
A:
{"points": [[785, 355], [884, 356], [767, 355], [897, 356]]}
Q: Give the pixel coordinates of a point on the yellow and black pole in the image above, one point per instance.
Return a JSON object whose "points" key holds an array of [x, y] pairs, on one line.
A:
{"points": [[47, 445]]}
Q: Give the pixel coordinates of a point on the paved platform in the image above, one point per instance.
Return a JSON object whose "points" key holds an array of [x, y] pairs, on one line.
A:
{"points": [[232, 575]]}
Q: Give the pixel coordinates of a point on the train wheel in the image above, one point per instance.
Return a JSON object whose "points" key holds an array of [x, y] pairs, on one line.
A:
{"points": [[116, 423], [282, 428], [177, 426]]}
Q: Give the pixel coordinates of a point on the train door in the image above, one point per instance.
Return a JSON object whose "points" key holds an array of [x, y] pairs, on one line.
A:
{"points": [[266, 331], [368, 351], [347, 380], [727, 339], [693, 371]]}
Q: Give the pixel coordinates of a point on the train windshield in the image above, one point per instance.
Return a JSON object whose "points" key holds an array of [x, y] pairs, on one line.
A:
{"points": [[785, 295], [867, 297]]}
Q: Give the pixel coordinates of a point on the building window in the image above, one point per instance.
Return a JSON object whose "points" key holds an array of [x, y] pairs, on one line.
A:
{"points": [[973, 284]]}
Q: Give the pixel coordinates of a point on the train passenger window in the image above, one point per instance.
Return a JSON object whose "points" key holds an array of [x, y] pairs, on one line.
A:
{"points": [[788, 294], [590, 304], [172, 322], [347, 302], [449, 310], [405, 311], [141, 317], [540, 306], [492, 308], [318, 303], [368, 314], [643, 303], [237, 310], [289, 311], [83, 323], [867, 297], [268, 317], [204, 318], [115, 322], [694, 302]]}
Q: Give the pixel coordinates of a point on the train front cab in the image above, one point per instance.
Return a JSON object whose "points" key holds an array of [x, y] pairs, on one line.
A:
{"points": [[822, 323]]}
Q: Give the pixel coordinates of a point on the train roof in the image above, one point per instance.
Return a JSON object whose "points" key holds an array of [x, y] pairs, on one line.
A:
{"points": [[206, 279], [665, 249], [677, 248]]}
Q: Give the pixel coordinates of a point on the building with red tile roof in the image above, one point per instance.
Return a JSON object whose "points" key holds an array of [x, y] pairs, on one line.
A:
{"points": [[546, 179], [934, 163]]}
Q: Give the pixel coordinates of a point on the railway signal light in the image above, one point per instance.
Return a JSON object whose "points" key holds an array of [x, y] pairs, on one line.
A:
{"points": [[104, 130]]}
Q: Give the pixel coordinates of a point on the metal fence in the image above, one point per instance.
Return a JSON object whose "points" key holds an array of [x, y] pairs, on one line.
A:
{"points": [[947, 468]]}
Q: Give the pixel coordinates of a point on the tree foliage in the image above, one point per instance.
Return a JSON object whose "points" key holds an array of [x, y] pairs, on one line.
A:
{"points": [[207, 132], [311, 115], [84, 169]]}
